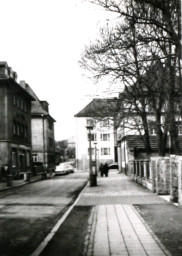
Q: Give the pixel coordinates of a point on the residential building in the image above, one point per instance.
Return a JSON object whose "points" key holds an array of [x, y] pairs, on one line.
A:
{"points": [[131, 139], [15, 123], [42, 126], [99, 114]]}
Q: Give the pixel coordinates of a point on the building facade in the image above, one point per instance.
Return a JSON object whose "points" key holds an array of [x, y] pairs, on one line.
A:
{"points": [[102, 135], [15, 123], [42, 127]]}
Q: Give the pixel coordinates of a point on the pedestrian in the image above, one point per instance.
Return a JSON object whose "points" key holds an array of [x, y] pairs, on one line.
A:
{"points": [[106, 169], [101, 170]]}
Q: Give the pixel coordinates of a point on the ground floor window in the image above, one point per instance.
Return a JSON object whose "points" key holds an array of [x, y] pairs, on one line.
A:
{"points": [[180, 130], [14, 159], [35, 158], [105, 151], [92, 136], [28, 159]]}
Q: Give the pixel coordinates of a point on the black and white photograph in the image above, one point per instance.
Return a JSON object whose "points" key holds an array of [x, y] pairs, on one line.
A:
{"points": [[91, 128]]}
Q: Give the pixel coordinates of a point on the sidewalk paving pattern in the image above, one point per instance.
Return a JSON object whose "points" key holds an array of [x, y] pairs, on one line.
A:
{"points": [[115, 227]]}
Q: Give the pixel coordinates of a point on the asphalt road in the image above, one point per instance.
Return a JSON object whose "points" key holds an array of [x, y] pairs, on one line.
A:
{"points": [[28, 213]]}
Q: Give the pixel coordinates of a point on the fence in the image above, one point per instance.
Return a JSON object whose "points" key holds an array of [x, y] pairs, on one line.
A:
{"points": [[141, 172], [162, 175]]}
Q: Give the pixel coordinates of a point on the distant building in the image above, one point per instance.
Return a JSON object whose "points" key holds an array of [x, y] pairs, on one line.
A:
{"points": [[71, 142], [99, 113], [15, 123], [42, 125]]}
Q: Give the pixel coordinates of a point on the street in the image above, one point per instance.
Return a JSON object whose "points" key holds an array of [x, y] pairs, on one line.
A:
{"points": [[28, 213]]}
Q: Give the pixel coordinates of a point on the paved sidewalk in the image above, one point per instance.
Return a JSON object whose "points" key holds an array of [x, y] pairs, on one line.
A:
{"points": [[115, 226]]}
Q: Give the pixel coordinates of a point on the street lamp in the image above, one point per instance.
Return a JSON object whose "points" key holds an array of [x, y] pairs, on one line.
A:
{"points": [[93, 181]]}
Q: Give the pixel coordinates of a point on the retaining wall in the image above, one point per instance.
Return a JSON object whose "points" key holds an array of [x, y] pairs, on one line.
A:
{"points": [[162, 175]]}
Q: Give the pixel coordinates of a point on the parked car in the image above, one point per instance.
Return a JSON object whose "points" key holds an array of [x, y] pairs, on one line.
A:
{"points": [[113, 166], [61, 169], [72, 162], [64, 168], [70, 168]]}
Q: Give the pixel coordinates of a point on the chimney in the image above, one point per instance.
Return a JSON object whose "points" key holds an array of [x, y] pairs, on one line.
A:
{"points": [[3, 69], [45, 105], [15, 76], [23, 84], [10, 73]]}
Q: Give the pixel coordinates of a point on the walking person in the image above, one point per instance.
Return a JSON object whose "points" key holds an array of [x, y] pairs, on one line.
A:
{"points": [[101, 170], [106, 169]]}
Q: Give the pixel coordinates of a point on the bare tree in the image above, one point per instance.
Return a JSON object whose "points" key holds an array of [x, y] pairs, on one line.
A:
{"points": [[128, 51]]}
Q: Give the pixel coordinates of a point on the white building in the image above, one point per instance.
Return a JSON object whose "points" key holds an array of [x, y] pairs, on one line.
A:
{"points": [[98, 114]]}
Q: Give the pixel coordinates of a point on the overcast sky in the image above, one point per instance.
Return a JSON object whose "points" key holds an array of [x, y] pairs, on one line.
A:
{"points": [[42, 41]]}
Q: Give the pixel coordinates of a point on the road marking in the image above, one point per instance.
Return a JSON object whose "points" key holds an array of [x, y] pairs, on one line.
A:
{"points": [[48, 238]]}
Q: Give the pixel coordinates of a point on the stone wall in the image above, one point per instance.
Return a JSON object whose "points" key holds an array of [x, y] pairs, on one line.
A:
{"points": [[162, 175], [180, 180], [174, 172]]}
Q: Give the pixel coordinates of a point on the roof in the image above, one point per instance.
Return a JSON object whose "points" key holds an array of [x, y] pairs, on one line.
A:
{"points": [[136, 142], [16, 86], [37, 107], [99, 108]]}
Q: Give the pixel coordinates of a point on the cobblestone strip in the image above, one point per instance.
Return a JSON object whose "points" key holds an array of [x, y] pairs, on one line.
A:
{"points": [[89, 238], [152, 233]]}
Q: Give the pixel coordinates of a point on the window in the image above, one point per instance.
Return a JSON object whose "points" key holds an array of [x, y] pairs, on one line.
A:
{"points": [[14, 99], [13, 159], [35, 158], [91, 122], [152, 131], [26, 132], [17, 101], [105, 151], [22, 130], [51, 143], [151, 127], [104, 123], [25, 106], [176, 106], [20, 103], [50, 125], [14, 128], [150, 108], [180, 130], [28, 159], [93, 136], [105, 137]]}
